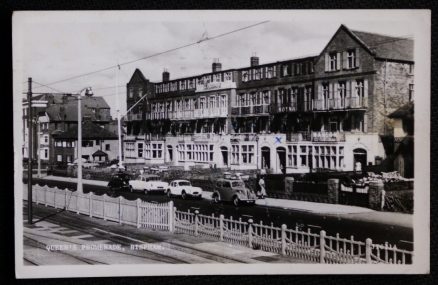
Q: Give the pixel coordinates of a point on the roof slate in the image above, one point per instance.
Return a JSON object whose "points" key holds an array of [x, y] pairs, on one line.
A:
{"points": [[388, 47]]}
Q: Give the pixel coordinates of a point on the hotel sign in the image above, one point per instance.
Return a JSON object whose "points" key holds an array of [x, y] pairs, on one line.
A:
{"points": [[215, 85]]}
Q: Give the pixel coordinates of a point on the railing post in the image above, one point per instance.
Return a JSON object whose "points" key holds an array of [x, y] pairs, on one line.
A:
{"points": [[368, 243], [77, 202], [283, 239], [65, 199], [171, 217], [322, 246], [120, 209], [103, 206], [221, 227], [45, 196], [250, 221], [90, 204], [138, 213], [196, 223]]}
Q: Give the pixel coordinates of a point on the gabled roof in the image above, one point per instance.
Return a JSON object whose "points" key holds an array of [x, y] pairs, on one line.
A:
{"points": [[387, 47], [381, 46], [137, 75], [67, 110], [404, 112], [99, 153], [90, 130]]}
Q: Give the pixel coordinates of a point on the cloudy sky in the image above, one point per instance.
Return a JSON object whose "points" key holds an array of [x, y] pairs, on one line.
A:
{"points": [[54, 46]]}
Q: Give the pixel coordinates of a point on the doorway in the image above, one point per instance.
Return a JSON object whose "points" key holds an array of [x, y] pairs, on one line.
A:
{"points": [[281, 159], [266, 157]]}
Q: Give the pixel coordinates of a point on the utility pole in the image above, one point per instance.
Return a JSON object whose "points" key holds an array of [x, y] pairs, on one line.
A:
{"points": [[29, 151], [119, 128], [38, 147]]}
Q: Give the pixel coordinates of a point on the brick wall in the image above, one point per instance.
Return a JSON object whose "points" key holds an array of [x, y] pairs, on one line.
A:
{"points": [[396, 90]]}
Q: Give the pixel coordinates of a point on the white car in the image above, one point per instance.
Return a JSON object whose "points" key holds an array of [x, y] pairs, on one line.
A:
{"points": [[184, 189], [148, 183]]}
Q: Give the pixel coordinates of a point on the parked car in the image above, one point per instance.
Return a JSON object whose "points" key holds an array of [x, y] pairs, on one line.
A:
{"points": [[233, 190], [148, 183], [184, 189], [118, 182]]}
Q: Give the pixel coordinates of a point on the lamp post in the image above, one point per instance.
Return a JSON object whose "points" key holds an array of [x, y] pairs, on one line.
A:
{"points": [[88, 92]]}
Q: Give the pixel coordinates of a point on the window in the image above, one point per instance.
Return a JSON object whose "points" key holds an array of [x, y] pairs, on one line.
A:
{"points": [[140, 150], [69, 158], [285, 70], [411, 68], [411, 92], [351, 59], [235, 154], [245, 76], [247, 153], [359, 88], [107, 147], [46, 153], [157, 150], [270, 72], [46, 139], [97, 142], [131, 92], [342, 89], [297, 70], [333, 62], [59, 158]]}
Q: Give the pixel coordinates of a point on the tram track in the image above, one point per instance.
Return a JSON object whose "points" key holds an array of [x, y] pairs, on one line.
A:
{"points": [[100, 231]]}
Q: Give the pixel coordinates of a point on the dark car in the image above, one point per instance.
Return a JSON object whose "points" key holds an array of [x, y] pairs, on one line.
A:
{"points": [[118, 182], [233, 190]]}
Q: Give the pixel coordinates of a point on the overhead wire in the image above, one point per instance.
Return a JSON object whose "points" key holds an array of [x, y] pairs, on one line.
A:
{"points": [[156, 54]]}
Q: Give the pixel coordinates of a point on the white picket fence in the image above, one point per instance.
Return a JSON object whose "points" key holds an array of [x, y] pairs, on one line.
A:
{"points": [[136, 213], [303, 245]]}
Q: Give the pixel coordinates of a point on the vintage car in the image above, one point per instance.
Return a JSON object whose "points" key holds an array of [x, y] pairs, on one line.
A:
{"points": [[148, 183], [233, 190], [184, 189]]}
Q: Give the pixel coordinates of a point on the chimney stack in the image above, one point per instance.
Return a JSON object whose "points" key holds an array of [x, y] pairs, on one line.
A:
{"points": [[254, 60], [166, 75], [216, 66]]}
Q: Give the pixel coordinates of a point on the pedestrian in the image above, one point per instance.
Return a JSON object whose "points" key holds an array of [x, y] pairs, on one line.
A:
{"points": [[262, 192]]}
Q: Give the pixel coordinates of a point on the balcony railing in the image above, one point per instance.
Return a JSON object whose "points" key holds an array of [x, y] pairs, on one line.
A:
{"points": [[250, 110], [341, 103], [211, 112]]}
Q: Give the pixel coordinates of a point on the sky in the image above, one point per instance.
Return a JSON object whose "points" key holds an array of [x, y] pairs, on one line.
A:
{"points": [[52, 46]]}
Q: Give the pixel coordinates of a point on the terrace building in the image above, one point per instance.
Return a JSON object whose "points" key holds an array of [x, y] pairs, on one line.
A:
{"points": [[326, 111], [59, 115]]}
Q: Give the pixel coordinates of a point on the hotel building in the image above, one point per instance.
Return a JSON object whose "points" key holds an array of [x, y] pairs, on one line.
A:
{"points": [[327, 111]]}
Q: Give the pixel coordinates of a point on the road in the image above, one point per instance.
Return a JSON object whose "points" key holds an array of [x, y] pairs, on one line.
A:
{"points": [[379, 232]]}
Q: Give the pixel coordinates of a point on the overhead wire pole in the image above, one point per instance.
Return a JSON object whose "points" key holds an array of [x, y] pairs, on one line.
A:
{"points": [[29, 151], [119, 129]]}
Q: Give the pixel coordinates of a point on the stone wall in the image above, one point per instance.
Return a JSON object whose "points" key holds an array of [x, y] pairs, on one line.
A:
{"points": [[389, 96]]}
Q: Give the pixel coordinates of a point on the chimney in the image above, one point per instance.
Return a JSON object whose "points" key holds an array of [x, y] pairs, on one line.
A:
{"points": [[216, 66], [254, 60], [166, 75]]}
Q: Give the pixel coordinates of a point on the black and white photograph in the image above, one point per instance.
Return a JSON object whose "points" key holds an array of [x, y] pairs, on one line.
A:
{"points": [[217, 142]]}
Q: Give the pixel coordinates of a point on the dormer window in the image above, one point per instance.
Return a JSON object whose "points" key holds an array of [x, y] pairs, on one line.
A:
{"points": [[351, 59], [333, 59]]}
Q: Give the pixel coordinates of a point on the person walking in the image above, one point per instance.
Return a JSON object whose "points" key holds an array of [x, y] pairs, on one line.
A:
{"points": [[262, 193]]}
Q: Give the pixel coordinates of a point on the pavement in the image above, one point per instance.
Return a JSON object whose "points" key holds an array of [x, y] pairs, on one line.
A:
{"points": [[352, 212], [65, 238]]}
